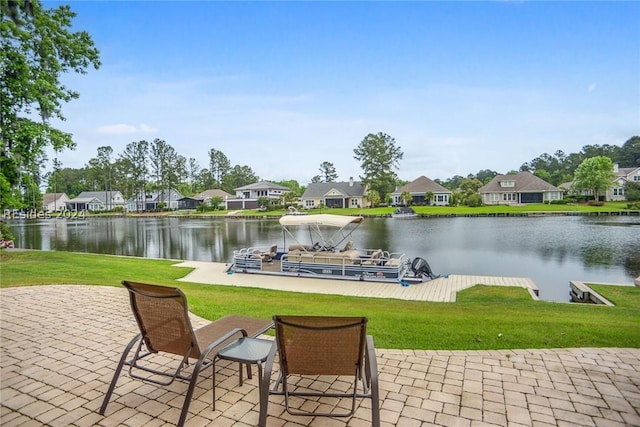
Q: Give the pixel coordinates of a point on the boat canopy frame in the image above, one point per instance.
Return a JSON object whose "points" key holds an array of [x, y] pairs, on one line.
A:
{"points": [[344, 226]]}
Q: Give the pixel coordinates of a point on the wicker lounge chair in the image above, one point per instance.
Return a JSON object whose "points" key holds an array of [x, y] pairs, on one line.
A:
{"points": [[309, 346], [162, 316]]}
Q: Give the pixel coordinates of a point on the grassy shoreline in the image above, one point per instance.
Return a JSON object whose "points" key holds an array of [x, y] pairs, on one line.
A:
{"points": [[484, 317], [536, 209]]}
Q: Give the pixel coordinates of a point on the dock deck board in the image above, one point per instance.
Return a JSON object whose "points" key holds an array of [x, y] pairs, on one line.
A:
{"points": [[442, 289]]}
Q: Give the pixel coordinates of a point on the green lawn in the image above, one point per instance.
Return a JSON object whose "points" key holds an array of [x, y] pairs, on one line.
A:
{"points": [[483, 318], [446, 210]]}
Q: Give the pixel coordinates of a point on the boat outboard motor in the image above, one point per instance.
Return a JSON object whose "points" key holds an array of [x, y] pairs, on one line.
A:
{"points": [[420, 267]]}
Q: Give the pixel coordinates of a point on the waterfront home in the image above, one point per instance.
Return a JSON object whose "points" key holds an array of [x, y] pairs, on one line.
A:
{"points": [[203, 198], [247, 196], [524, 187], [96, 201], [423, 191], [54, 202], [154, 200], [351, 194], [623, 175]]}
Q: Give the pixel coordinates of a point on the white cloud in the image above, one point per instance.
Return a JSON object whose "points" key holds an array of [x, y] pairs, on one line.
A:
{"points": [[123, 129]]}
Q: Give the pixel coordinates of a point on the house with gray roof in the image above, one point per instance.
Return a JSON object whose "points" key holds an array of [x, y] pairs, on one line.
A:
{"points": [[351, 194], [152, 200], [420, 189], [247, 196], [524, 187], [623, 175], [203, 197], [96, 201]]}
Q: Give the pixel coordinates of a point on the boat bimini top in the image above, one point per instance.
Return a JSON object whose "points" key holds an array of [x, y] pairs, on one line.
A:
{"points": [[344, 225]]}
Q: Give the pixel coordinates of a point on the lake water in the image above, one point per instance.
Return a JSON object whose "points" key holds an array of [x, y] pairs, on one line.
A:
{"points": [[550, 250]]}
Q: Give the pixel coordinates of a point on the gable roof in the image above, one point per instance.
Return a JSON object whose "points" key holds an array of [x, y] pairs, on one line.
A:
{"points": [[263, 185], [524, 182], [208, 194], [162, 195], [100, 195], [422, 184], [625, 172], [49, 198], [347, 189]]}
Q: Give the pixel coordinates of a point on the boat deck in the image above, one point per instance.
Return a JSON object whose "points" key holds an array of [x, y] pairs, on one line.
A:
{"points": [[443, 289]]}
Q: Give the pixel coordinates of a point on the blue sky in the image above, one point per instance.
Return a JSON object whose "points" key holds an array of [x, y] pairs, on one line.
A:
{"points": [[283, 86]]}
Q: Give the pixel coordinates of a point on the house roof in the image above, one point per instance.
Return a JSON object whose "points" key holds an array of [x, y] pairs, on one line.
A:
{"points": [[89, 199], [263, 185], [524, 182], [88, 195], [208, 194], [624, 172], [48, 198], [347, 189], [163, 195], [422, 185]]}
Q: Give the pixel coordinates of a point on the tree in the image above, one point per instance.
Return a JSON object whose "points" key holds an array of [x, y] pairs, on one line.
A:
{"points": [[379, 157], [134, 157], [328, 172], [632, 191], [406, 198], [296, 189], [167, 167], [316, 179], [429, 196], [374, 198], [104, 162], [36, 48], [630, 153], [453, 183], [469, 192], [216, 201], [595, 174], [193, 168], [219, 166], [238, 176]]}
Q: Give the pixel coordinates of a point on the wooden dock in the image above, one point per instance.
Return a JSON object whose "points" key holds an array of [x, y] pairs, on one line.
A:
{"points": [[442, 289]]}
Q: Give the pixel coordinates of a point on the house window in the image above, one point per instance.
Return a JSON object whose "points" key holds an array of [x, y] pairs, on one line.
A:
{"points": [[494, 197], [309, 203], [354, 202], [636, 178], [507, 183]]}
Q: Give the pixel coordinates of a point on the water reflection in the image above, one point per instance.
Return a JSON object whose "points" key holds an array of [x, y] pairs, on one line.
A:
{"points": [[551, 250]]}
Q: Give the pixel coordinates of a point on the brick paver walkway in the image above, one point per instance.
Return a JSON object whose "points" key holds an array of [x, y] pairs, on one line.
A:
{"points": [[60, 345]]}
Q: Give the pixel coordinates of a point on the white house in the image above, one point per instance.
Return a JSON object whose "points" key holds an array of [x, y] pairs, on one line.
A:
{"points": [[97, 201], [247, 196], [54, 202]]}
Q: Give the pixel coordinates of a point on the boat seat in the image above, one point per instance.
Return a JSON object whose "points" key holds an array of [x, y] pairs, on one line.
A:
{"points": [[393, 262], [374, 259]]}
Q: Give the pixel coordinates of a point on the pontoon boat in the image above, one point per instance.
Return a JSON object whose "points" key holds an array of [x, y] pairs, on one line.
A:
{"points": [[328, 254]]}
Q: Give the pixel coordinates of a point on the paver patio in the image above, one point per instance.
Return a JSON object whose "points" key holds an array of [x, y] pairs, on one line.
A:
{"points": [[60, 345]]}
